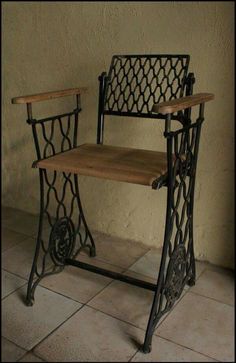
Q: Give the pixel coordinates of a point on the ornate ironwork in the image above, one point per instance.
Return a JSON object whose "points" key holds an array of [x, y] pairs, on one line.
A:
{"points": [[136, 82], [61, 211], [177, 264], [174, 282], [62, 240]]}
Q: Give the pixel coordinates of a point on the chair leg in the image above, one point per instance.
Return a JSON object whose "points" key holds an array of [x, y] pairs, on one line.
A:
{"points": [[88, 235], [68, 230], [177, 263], [174, 273]]}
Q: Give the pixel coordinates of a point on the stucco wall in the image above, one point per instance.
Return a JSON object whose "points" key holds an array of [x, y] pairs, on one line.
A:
{"points": [[57, 45]]}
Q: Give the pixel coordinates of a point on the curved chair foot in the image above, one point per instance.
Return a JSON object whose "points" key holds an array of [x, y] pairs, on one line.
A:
{"points": [[146, 349], [191, 282], [92, 251], [29, 301]]}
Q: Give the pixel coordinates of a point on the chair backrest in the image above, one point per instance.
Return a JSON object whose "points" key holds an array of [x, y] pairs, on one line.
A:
{"points": [[135, 82]]}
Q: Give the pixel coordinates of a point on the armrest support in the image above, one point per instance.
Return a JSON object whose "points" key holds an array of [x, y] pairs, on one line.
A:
{"points": [[48, 95], [182, 103]]}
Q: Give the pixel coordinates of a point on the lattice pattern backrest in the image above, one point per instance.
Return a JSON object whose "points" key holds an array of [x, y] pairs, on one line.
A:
{"points": [[135, 83]]}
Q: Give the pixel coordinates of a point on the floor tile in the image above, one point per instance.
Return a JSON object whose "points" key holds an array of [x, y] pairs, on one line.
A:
{"points": [[19, 259], [166, 351], [10, 352], [149, 264], [11, 238], [91, 336], [201, 324], [8, 213], [76, 283], [10, 283], [154, 281], [114, 250], [200, 267], [20, 221], [36, 322], [126, 302], [219, 286], [30, 357]]}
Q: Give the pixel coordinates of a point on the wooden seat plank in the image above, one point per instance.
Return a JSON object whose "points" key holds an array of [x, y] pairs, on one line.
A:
{"points": [[110, 162]]}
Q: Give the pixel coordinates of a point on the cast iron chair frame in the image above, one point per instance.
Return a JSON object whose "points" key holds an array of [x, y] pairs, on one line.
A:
{"points": [[177, 263]]}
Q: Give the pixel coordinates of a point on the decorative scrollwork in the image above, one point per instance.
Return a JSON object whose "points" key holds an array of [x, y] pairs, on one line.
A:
{"points": [[62, 240], [175, 275]]}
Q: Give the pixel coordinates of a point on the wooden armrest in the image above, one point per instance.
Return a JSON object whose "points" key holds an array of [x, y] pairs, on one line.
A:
{"points": [[182, 103], [48, 95]]}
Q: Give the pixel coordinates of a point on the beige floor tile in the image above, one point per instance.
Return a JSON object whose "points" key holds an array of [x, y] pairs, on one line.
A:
{"points": [[20, 221], [200, 267], [30, 357], [166, 351], [114, 250], [19, 259], [10, 283], [11, 238], [219, 286], [76, 283], [27, 326], [10, 352], [201, 324], [126, 302], [91, 336], [149, 264], [153, 281], [8, 213]]}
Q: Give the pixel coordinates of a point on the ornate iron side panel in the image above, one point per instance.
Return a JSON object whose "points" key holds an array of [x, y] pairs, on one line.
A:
{"points": [[63, 231], [177, 263]]}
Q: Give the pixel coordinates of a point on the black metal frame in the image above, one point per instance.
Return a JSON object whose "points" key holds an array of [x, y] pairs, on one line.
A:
{"points": [[66, 241]]}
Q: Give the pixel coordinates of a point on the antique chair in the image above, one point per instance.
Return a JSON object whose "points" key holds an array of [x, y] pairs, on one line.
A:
{"points": [[148, 86]]}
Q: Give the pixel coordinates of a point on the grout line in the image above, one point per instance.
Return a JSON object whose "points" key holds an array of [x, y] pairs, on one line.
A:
{"points": [[170, 311], [109, 283], [14, 291], [186, 347], [30, 351], [114, 317], [15, 344], [134, 355], [13, 273], [16, 245], [35, 346], [59, 293], [211, 298]]}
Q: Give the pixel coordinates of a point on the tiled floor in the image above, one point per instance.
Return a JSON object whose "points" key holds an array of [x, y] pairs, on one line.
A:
{"points": [[81, 316]]}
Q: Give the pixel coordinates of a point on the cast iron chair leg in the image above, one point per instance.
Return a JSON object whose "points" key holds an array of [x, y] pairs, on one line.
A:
{"points": [[177, 263], [91, 246], [65, 240]]}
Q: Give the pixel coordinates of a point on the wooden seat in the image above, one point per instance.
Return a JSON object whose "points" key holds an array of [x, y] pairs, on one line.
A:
{"points": [[110, 162]]}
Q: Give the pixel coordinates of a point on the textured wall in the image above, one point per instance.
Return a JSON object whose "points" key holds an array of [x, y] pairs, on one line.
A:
{"points": [[57, 45]]}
